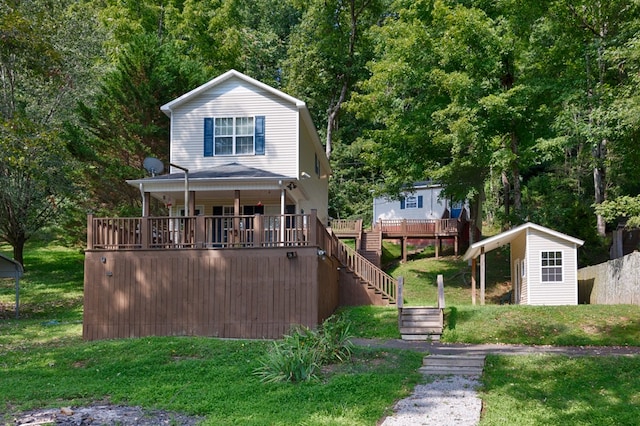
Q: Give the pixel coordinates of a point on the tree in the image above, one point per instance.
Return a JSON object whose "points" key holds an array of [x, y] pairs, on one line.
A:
{"points": [[34, 168], [34, 181], [327, 56]]}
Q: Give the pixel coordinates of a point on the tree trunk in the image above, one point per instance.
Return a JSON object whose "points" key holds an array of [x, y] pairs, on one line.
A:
{"points": [[515, 174], [475, 216], [506, 197], [18, 251], [599, 154]]}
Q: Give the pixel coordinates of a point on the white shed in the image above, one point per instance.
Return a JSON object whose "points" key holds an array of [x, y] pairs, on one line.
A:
{"points": [[544, 264]]}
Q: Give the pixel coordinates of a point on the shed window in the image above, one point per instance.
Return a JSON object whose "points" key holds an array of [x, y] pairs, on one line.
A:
{"points": [[551, 266]]}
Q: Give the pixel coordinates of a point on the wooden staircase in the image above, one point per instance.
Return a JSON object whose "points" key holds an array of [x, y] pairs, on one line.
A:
{"points": [[421, 322], [380, 284], [371, 246]]}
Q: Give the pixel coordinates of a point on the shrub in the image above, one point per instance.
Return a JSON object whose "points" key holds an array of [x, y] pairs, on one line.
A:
{"points": [[299, 355]]}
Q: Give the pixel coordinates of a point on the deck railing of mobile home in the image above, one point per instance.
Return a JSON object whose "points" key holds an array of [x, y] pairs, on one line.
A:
{"points": [[201, 232], [417, 227]]}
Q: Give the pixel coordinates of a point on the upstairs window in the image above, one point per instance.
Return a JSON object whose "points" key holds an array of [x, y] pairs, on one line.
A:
{"points": [[551, 266], [233, 136]]}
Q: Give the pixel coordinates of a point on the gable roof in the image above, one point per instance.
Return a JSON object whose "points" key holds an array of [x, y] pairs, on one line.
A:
{"points": [[169, 107], [506, 237], [300, 105]]}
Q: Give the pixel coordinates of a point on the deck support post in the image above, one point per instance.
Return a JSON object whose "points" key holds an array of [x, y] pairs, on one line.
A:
{"points": [[404, 249], [438, 245]]}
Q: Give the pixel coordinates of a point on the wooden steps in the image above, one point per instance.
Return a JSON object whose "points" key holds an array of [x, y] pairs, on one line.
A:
{"points": [[467, 365], [371, 246], [420, 323]]}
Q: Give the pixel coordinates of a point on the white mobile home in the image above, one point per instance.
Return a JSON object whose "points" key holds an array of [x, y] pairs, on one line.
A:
{"points": [[424, 201]]}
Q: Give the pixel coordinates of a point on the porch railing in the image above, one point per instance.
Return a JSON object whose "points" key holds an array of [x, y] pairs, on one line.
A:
{"points": [[418, 227], [347, 227], [202, 231]]}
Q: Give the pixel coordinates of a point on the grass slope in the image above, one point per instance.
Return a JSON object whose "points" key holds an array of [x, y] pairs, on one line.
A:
{"points": [[45, 363]]}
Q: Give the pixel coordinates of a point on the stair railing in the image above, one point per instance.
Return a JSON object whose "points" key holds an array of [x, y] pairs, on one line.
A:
{"points": [[367, 271]]}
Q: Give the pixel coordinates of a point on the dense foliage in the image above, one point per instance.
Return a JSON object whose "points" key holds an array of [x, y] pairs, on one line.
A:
{"points": [[527, 109]]}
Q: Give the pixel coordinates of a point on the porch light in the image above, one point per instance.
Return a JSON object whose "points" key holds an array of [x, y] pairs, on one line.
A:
{"points": [[292, 254]]}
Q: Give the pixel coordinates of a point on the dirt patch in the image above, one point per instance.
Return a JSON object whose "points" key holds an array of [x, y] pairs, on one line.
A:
{"points": [[103, 415]]}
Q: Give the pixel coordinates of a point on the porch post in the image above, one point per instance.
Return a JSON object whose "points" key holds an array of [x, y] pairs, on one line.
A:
{"points": [[313, 230], [146, 201], [404, 249], [482, 275], [89, 231], [236, 218], [283, 200], [474, 264], [192, 203]]}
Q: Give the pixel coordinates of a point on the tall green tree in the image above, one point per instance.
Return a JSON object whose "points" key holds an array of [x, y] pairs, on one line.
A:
{"points": [[327, 56], [35, 176]]}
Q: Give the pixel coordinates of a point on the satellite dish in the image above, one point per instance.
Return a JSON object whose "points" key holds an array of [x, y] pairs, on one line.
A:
{"points": [[153, 165]]}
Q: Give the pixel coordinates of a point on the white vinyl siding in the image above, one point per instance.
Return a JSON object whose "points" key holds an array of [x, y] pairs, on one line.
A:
{"points": [[564, 292], [236, 98]]}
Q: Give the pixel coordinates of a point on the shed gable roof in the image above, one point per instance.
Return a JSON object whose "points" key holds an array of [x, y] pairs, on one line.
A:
{"points": [[507, 237]]}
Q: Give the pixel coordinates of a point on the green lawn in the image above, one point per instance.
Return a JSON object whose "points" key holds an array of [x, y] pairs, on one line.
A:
{"points": [[45, 363]]}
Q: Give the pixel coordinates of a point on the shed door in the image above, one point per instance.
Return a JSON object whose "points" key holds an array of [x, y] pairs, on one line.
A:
{"points": [[517, 281]]}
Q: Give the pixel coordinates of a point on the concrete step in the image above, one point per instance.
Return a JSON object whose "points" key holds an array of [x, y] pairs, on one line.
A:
{"points": [[437, 329], [453, 364]]}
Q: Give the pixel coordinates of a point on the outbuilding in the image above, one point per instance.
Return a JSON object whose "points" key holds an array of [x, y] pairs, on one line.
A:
{"points": [[10, 268], [544, 264]]}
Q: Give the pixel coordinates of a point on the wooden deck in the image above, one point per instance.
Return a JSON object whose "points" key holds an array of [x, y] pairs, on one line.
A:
{"points": [[419, 228], [234, 277], [406, 229]]}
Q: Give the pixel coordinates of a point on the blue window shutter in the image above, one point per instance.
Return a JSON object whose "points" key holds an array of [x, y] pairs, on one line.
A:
{"points": [[259, 135], [419, 201], [402, 203], [208, 137]]}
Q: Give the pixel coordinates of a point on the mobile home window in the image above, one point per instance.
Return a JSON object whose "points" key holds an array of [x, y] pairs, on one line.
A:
{"points": [[411, 202], [551, 266]]}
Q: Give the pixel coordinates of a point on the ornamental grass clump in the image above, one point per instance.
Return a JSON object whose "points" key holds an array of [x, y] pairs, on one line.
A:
{"points": [[299, 356]]}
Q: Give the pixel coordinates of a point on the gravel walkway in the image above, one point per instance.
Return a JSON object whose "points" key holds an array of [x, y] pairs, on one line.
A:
{"points": [[448, 400], [453, 400]]}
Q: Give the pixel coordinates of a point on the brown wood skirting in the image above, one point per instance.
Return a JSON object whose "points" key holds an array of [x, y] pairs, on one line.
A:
{"points": [[243, 293]]}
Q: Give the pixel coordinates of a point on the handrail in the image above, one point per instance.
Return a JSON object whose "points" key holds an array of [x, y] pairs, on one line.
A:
{"points": [[202, 231], [367, 271], [410, 227], [346, 226]]}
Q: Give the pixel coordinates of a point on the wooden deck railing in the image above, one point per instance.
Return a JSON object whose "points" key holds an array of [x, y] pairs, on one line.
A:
{"points": [[419, 227], [363, 268], [346, 227], [201, 232]]}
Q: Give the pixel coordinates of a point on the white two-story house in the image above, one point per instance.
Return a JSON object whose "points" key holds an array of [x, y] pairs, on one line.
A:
{"points": [[248, 148]]}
